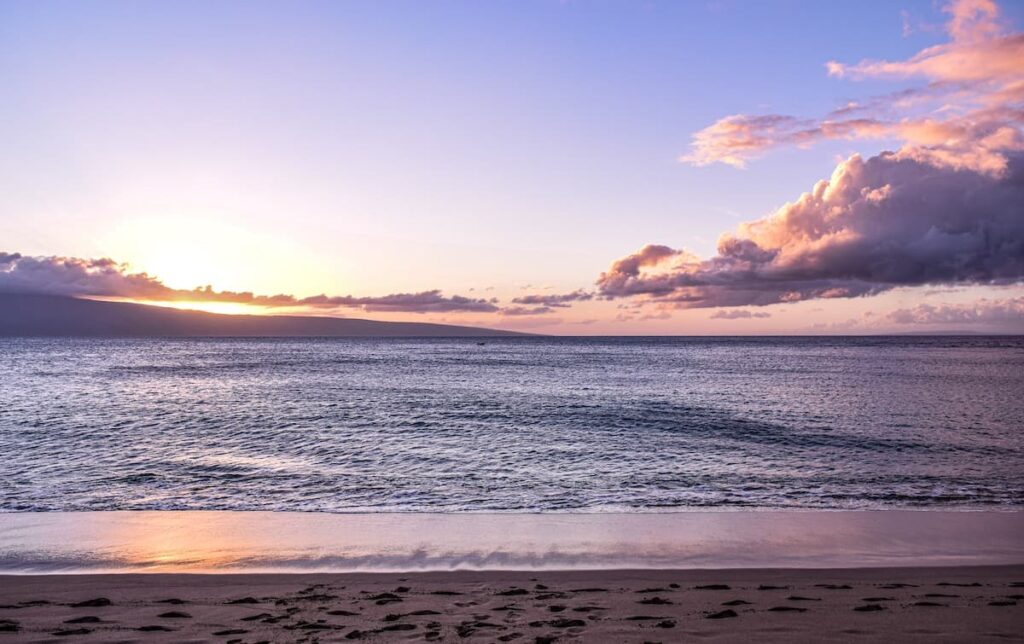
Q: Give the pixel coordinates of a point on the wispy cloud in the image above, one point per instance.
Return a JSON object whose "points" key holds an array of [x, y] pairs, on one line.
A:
{"points": [[554, 300], [738, 314], [518, 311], [968, 112]]}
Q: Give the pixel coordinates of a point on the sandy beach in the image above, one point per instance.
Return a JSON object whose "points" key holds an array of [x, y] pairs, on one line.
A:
{"points": [[958, 604]]}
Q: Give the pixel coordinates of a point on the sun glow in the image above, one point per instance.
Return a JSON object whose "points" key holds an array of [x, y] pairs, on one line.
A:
{"points": [[227, 308]]}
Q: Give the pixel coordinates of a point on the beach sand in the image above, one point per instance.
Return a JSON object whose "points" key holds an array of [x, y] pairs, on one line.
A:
{"points": [[933, 604]]}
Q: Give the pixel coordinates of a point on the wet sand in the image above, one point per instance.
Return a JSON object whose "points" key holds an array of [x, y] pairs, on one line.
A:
{"points": [[936, 604], [306, 542]]}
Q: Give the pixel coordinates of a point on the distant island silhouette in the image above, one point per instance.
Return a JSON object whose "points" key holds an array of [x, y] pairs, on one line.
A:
{"points": [[51, 315]]}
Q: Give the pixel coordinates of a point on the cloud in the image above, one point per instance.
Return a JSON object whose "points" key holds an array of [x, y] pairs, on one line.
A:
{"points": [[969, 111], [554, 300], [738, 314], [516, 311], [424, 302], [77, 277], [891, 220], [946, 207], [984, 311], [981, 49]]}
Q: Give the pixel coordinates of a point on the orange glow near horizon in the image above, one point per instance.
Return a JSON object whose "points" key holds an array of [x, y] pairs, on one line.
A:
{"points": [[226, 308]]}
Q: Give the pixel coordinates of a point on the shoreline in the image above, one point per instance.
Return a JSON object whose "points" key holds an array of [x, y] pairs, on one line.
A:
{"points": [[948, 604], [290, 542]]}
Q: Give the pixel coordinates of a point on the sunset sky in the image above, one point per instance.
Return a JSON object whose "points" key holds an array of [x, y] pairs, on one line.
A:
{"points": [[554, 166]]}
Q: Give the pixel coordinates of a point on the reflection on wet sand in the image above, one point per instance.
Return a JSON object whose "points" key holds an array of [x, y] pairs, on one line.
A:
{"points": [[268, 541]]}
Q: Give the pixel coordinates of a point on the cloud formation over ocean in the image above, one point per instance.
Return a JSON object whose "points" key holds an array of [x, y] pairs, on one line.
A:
{"points": [[947, 207]]}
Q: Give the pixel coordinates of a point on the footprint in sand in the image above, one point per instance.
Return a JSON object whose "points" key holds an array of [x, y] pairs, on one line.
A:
{"points": [[897, 585], [546, 596], [835, 586], [587, 609], [93, 603], [712, 587], [724, 614]]}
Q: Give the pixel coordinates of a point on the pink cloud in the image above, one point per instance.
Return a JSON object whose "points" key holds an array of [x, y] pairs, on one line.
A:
{"points": [[944, 208], [892, 220], [983, 311], [738, 314], [969, 112]]}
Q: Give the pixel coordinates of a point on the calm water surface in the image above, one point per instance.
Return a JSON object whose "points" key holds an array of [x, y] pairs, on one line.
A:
{"points": [[529, 424]]}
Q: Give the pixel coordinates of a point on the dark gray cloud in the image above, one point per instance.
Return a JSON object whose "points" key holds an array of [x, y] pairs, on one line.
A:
{"points": [[77, 277]]}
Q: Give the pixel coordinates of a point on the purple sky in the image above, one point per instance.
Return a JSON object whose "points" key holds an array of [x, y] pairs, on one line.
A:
{"points": [[564, 167]]}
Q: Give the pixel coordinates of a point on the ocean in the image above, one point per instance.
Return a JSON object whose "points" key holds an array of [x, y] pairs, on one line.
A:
{"points": [[521, 425]]}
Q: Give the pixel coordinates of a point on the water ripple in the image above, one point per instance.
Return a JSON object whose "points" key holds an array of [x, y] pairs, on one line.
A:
{"points": [[537, 424]]}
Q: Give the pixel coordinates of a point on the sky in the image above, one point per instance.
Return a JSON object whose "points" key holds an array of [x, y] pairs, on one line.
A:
{"points": [[555, 166]]}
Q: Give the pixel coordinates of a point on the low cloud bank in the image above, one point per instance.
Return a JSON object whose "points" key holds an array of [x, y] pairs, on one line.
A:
{"points": [[984, 311], [76, 277]]}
